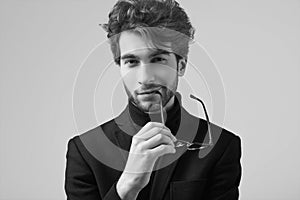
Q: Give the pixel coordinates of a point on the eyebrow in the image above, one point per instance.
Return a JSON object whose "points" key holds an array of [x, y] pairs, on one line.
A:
{"points": [[127, 56], [159, 52], [153, 54]]}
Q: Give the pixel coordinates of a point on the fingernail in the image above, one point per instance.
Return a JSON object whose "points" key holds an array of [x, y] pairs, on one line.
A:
{"points": [[174, 150], [174, 139]]}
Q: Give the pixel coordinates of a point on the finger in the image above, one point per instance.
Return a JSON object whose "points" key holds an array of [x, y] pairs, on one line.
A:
{"points": [[149, 126], [162, 150], [157, 140], [155, 131]]}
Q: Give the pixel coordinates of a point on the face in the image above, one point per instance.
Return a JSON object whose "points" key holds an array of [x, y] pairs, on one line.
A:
{"points": [[147, 71]]}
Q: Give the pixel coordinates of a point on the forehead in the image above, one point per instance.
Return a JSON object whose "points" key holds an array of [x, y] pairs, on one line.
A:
{"points": [[133, 43]]}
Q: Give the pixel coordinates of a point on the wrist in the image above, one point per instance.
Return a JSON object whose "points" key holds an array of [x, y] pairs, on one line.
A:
{"points": [[126, 189]]}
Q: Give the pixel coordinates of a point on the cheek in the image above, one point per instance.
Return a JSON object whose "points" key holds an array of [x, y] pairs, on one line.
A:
{"points": [[167, 75], [129, 79]]}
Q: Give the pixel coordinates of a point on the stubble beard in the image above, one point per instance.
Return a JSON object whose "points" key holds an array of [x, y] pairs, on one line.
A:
{"points": [[152, 107]]}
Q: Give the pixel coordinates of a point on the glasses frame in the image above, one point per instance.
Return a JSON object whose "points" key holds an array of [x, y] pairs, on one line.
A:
{"points": [[197, 146]]}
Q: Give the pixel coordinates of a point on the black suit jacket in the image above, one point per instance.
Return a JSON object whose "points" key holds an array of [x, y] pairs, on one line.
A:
{"points": [[211, 174]]}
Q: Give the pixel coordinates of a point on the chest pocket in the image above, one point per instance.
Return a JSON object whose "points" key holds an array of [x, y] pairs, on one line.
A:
{"points": [[187, 190]]}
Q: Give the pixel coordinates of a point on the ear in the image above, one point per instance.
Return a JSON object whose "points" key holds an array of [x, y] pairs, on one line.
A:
{"points": [[181, 67]]}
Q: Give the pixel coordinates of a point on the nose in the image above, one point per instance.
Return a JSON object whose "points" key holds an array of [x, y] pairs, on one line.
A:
{"points": [[146, 74]]}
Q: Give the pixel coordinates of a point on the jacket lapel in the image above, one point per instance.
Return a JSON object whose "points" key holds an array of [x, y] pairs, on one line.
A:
{"points": [[162, 178], [127, 129]]}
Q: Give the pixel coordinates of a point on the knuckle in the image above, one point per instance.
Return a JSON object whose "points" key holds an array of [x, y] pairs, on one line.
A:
{"points": [[151, 124], [136, 140], [159, 129], [161, 147], [160, 137], [155, 129], [166, 132]]}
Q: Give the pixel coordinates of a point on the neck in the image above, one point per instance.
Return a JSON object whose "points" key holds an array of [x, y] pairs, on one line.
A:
{"points": [[167, 107], [170, 103], [171, 114]]}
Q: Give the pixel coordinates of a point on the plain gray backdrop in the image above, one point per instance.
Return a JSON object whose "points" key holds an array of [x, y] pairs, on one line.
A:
{"points": [[255, 44]]}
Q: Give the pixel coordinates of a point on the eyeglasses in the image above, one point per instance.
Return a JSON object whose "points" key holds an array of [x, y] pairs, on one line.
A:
{"points": [[193, 145]]}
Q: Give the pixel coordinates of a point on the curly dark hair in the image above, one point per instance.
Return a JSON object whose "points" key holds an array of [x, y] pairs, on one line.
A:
{"points": [[144, 14]]}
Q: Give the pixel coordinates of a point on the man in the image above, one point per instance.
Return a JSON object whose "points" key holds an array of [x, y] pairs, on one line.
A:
{"points": [[149, 41]]}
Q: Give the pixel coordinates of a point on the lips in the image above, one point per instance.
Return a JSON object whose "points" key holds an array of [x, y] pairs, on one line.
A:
{"points": [[150, 91]]}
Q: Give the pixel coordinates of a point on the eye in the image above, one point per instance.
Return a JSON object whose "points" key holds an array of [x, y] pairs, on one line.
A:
{"points": [[131, 62], [159, 59]]}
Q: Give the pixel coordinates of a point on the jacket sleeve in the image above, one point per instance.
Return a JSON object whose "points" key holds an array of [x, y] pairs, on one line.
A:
{"points": [[226, 175], [80, 184]]}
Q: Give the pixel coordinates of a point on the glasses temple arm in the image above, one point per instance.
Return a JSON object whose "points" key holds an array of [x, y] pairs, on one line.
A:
{"points": [[206, 115]]}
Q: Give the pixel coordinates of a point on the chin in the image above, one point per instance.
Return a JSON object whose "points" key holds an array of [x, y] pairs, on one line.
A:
{"points": [[149, 106]]}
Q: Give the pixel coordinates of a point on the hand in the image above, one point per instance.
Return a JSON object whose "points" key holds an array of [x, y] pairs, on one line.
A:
{"points": [[151, 142]]}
